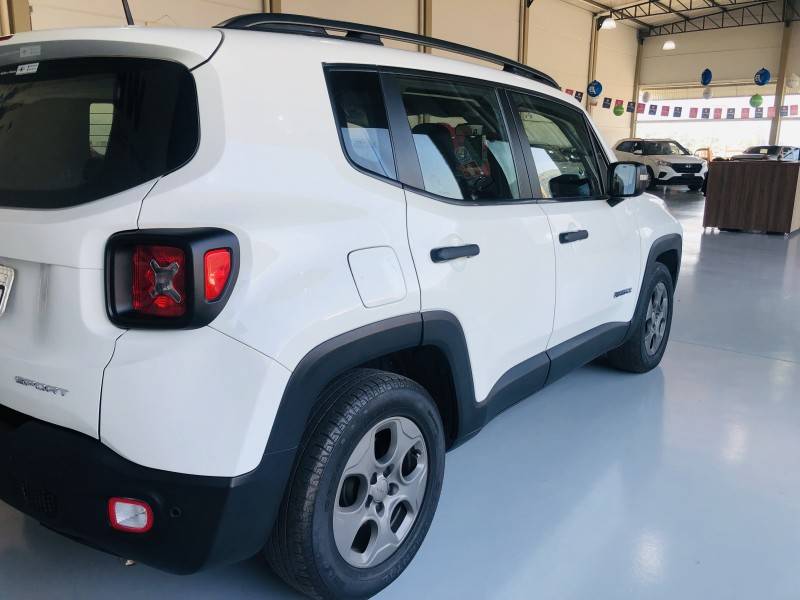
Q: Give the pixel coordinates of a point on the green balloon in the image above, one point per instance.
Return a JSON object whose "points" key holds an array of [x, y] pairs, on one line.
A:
{"points": [[619, 110], [756, 100]]}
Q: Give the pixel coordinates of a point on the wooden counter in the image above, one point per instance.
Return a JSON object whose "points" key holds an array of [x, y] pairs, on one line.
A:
{"points": [[753, 196]]}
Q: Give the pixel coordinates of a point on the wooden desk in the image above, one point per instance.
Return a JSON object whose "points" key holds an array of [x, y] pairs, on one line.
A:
{"points": [[753, 196]]}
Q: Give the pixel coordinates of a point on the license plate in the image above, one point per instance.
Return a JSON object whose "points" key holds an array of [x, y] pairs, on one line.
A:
{"points": [[6, 281]]}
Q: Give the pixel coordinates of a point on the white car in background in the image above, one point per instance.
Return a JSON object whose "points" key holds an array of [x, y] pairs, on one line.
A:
{"points": [[668, 163]]}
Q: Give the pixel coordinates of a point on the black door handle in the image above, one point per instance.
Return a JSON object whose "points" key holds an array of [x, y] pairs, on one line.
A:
{"points": [[572, 236], [453, 252]]}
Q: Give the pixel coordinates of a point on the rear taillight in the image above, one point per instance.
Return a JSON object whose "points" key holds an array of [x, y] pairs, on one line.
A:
{"points": [[159, 281], [217, 271], [169, 278]]}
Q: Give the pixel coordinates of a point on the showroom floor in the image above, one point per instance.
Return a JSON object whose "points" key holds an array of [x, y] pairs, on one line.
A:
{"points": [[681, 483]]}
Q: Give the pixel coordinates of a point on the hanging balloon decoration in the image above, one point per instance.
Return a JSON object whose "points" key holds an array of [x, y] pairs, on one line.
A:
{"points": [[762, 76], [707, 93], [793, 81], [594, 101], [619, 110], [595, 89], [756, 100], [706, 77], [646, 97]]}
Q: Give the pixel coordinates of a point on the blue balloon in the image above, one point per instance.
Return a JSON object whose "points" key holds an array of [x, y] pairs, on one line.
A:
{"points": [[705, 77], [762, 76], [595, 89]]}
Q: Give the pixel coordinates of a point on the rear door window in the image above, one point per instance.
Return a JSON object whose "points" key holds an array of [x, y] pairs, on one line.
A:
{"points": [[461, 139], [77, 130]]}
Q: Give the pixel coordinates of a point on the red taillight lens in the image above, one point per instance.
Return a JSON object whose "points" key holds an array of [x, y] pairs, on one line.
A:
{"points": [[159, 281], [129, 515], [217, 272]]}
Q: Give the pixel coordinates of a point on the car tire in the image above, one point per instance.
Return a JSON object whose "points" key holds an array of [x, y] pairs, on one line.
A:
{"points": [[363, 458], [651, 184], [650, 328]]}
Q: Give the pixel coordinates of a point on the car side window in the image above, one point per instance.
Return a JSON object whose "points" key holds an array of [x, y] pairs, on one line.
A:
{"points": [[362, 122], [461, 139], [625, 147], [561, 147]]}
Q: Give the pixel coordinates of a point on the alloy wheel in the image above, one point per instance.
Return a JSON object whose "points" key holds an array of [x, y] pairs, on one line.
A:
{"points": [[380, 492], [655, 325]]}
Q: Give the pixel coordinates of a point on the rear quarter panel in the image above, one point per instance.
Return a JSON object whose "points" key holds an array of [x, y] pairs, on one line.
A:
{"points": [[271, 170]]}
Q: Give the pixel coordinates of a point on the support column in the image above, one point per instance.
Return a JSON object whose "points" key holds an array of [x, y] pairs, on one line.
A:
{"points": [[780, 87], [19, 15], [636, 80], [425, 22], [522, 38], [593, 43], [5, 20]]}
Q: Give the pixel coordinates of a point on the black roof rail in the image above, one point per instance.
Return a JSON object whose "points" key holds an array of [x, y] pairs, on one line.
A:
{"points": [[303, 25]]}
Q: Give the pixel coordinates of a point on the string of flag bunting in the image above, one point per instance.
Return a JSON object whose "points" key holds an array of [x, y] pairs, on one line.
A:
{"points": [[756, 110]]}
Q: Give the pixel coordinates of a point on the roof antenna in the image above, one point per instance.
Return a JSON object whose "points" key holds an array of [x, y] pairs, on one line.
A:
{"points": [[128, 15]]}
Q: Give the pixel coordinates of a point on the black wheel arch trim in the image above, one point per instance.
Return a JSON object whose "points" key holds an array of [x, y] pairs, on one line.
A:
{"points": [[665, 243]]}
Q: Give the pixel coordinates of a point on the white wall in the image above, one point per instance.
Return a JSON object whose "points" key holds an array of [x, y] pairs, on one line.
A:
{"points": [[559, 40], [616, 70], [492, 26], [52, 14], [396, 14], [731, 54]]}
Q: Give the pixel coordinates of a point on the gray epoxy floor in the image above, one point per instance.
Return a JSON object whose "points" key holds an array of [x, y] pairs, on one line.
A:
{"points": [[681, 483]]}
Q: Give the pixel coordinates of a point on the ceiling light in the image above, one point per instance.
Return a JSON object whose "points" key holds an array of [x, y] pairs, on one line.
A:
{"points": [[608, 23], [668, 45]]}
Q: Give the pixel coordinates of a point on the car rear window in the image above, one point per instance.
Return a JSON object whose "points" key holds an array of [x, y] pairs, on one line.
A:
{"points": [[77, 130]]}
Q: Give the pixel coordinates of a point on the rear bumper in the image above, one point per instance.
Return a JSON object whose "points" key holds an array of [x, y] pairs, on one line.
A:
{"points": [[64, 480]]}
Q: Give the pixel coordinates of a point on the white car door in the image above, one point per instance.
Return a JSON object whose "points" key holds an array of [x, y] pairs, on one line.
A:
{"points": [[482, 248], [596, 242]]}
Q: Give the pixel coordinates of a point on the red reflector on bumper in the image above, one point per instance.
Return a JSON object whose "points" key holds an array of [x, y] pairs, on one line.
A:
{"points": [[129, 515]]}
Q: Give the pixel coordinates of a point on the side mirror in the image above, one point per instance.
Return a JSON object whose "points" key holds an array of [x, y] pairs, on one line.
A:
{"points": [[627, 179]]}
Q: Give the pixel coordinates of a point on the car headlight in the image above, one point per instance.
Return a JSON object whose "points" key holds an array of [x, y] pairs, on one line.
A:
{"points": [[663, 163]]}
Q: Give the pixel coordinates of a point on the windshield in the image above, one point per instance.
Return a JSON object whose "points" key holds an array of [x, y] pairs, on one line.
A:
{"points": [[765, 150], [664, 149], [76, 130]]}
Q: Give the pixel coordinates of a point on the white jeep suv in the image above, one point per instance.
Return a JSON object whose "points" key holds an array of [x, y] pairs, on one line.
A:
{"points": [[257, 279], [667, 162]]}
